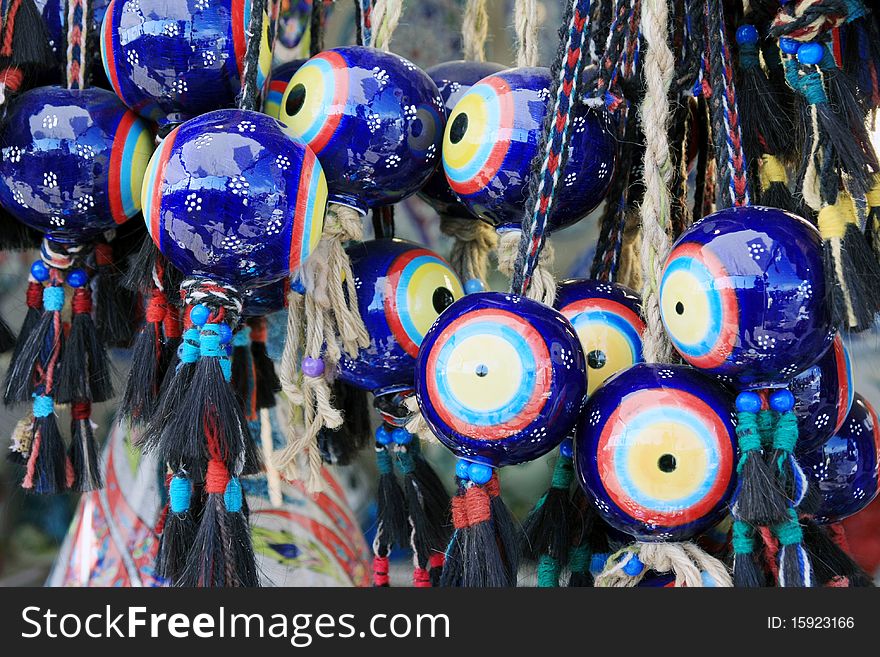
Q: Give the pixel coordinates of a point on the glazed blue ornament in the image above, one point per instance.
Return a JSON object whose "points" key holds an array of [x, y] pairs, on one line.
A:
{"points": [[453, 79], [374, 119], [402, 290], [845, 468], [823, 396], [500, 378], [607, 320], [742, 296], [265, 300], [656, 451], [73, 162], [232, 196], [172, 60], [278, 85], [492, 137]]}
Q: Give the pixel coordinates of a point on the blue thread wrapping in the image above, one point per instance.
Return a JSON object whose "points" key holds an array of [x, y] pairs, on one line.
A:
{"points": [[53, 298], [383, 462], [210, 347], [180, 494], [189, 347], [232, 496], [43, 406]]}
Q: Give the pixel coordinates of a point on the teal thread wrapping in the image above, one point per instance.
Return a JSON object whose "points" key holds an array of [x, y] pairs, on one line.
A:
{"points": [[563, 473], [210, 347], [189, 347], [179, 494], [789, 532], [748, 56], [747, 435], [232, 496], [43, 406], [383, 462], [786, 433], [743, 539], [548, 571], [405, 461], [53, 298], [812, 88], [766, 424], [579, 559]]}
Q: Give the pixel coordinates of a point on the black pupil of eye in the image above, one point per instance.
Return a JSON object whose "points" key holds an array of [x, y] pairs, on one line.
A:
{"points": [[596, 359], [679, 308], [459, 127], [416, 127], [481, 370], [666, 463], [442, 299], [295, 100]]}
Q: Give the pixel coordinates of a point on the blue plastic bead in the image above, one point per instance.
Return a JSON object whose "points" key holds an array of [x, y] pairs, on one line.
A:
{"points": [[597, 562], [810, 53], [461, 469], [297, 286], [789, 46], [748, 402], [782, 401], [401, 436], [179, 493], [746, 34], [566, 448], [474, 285], [633, 566], [40, 271], [479, 473], [383, 436], [199, 314], [225, 333], [77, 278], [708, 581]]}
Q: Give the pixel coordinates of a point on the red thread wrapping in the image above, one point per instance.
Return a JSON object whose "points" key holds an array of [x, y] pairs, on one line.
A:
{"points": [[421, 579], [437, 560], [157, 307], [217, 477], [34, 295], [103, 255], [478, 506], [82, 300], [12, 78], [493, 487], [172, 326], [380, 571], [459, 513], [9, 34], [81, 410]]}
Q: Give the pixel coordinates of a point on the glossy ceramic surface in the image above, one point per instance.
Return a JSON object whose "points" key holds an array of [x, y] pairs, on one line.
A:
{"points": [[845, 468], [402, 288], [374, 119], [72, 162], [493, 134], [278, 85], [453, 79], [55, 18], [172, 60], [606, 317], [743, 296], [656, 451], [231, 195], [265, 300], [500, 378], [823, 396]]}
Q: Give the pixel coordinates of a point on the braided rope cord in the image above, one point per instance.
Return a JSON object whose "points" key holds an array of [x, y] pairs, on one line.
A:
{"points": [[385, 16], [364, 15], [249, 98], [525, 19], [553, 149], [78, 21], [475, 30]]}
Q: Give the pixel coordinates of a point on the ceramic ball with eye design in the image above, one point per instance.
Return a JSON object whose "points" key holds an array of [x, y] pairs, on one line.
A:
{"points": [[231, 195], [453, 79], [402, 289], [845, 468], [492, 137], [823, 396], [172, 60], [500, 378], [266, 299], [606, 317], [742, 296], [374, 119], [73, 162], [278, 82], [656, 451]]}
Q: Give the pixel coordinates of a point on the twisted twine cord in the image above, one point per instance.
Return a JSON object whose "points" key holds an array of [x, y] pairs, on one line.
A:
{"points": [[473, 241], [687, 561], [385, 16], [250, 91], [656, 208], [525, 18], [542, 286], [475, 30]]}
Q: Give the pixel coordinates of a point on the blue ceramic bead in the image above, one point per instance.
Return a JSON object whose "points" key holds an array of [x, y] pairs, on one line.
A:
{"points": [[172, 60], [265, 300], [492, 137], [742, 296], [383, 436], [461, 469], [40, 271], [823, 396], [479, 473], [374, 119], [73, 162], [199, 314], [474, 285], [656, 451], [748, 402], [402, 288], [606, 317], [278, 85], [845, 468], [500, 378], [810, 53], [789, 46], [77, 278], [746, 34], [231, 195], [453, 79]]}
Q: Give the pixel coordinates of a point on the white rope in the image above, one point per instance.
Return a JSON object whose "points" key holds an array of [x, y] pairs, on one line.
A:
{"points": [[384, 18], [526, 25], [475, 30]]}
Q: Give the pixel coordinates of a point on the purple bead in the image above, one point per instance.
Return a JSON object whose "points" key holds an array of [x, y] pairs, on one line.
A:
{"points": [[312, 366]]}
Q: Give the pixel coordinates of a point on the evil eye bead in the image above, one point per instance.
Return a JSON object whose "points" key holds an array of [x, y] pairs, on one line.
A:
{"points": [[72, 162], [823, 396], [845, 468], [606, 319], [742, 296], [402, 289], [374, 119], [265, 300], [231, 195], [453, 79], [172, 60], [500, 379], [278, 85], [656, 451], [492, 137]]}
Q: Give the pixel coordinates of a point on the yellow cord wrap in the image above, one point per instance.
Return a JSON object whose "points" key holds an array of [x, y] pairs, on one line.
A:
{"points": [[772, 171], [873, 196], [833, 219]]}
